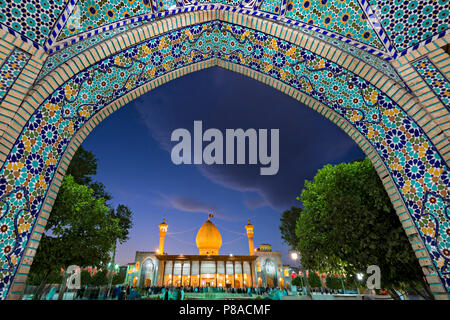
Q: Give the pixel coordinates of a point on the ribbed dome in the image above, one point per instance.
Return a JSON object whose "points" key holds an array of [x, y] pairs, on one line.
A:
{"points": [[208, 239]]}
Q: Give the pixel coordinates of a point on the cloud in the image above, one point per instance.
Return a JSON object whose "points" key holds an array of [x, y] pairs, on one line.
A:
{"points": [[307, 140], [192, 205], [188, 204], [255, 202]]}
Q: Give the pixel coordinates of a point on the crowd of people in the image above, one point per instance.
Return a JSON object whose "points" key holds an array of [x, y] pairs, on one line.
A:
{"points": [[172, 293], [122, 292]]}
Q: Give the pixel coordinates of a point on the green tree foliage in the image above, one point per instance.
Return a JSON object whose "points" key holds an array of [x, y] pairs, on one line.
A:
{"points": [[100, 278], [118, 278], [86, 278], [314, 280], [349, 223], [288, 220], [82, 228], [333, 282], [298, 281], [123, 214], [35, 279], [80, 231], [82, 166]]}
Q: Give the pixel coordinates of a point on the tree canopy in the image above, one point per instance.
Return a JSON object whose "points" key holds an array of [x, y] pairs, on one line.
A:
{"points": [[82, 227], [349, 223], [80, 230], [288, 220]]}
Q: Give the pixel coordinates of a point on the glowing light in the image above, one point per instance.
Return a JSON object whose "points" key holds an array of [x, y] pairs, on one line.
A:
{"points": [[294, 255], [359, 276]]}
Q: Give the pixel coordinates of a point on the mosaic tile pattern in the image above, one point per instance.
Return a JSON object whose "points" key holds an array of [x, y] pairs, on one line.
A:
{"points": [[67, 53], [163, 5], [344, 17], [381, 65], [435, 80], [271, 6], [34, 19], [11, 69], [227, 2], [407, 22], [414, 163], [92, 14], [404, 23]]}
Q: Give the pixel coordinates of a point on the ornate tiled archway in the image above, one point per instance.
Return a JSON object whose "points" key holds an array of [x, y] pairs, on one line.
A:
{"points": [[396, 111]]}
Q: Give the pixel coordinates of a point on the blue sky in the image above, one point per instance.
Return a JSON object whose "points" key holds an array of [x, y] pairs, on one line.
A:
{"points": [[133, 149]]}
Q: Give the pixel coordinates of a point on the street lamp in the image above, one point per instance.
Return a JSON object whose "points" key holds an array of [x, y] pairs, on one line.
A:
{"points": [[296, 256], [359, 277]]}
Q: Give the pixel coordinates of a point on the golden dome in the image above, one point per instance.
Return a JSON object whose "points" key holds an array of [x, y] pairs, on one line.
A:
{"points": [[208, 239]]}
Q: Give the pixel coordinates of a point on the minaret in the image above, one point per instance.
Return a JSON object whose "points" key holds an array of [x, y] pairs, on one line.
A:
{"points": [[251, 245], [162, 234]]}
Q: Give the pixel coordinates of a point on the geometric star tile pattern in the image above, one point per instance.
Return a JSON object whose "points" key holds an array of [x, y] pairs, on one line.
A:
{"points": [[11, 69], [435, 80], [35, 19], [408, 22], [271, 6], [417, 169], [69, 52], [344, 17], [91, 14]]}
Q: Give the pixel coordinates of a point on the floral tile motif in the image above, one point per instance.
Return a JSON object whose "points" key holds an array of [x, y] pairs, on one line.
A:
{"points": [[408, 22], [417, 169], [163, 5], [11, 69], [271, 6], [32, 18], [435, 80], [381, 65], [91, 14], [59, 57], [344, 17]]}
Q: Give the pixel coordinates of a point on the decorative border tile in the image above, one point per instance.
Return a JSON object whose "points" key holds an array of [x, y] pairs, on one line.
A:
{"points": [[415, 165], [437, 82]]}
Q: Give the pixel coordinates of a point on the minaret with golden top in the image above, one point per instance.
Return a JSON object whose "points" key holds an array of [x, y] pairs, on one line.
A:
{"points": [[162, 235], [251, 245]]}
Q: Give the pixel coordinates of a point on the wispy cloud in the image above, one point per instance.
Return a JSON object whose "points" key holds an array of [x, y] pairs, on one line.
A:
{"points": [[192, 205], [303, 149]]}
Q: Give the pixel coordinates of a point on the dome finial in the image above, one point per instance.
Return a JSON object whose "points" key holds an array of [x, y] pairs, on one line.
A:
{"points": [[210, 216]]}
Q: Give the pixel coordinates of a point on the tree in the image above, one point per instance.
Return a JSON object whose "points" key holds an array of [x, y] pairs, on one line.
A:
{"points": [[298, 281], [74, 223], [82, 166], [333, 282], [80, 231], [86, 278], [118, 278], [314, 280], [123, 214], [288, 220], [100, 278], [349, 223]]}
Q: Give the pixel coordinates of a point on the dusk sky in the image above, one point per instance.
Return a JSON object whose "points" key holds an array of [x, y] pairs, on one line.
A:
{"points": [[133, 147]]}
